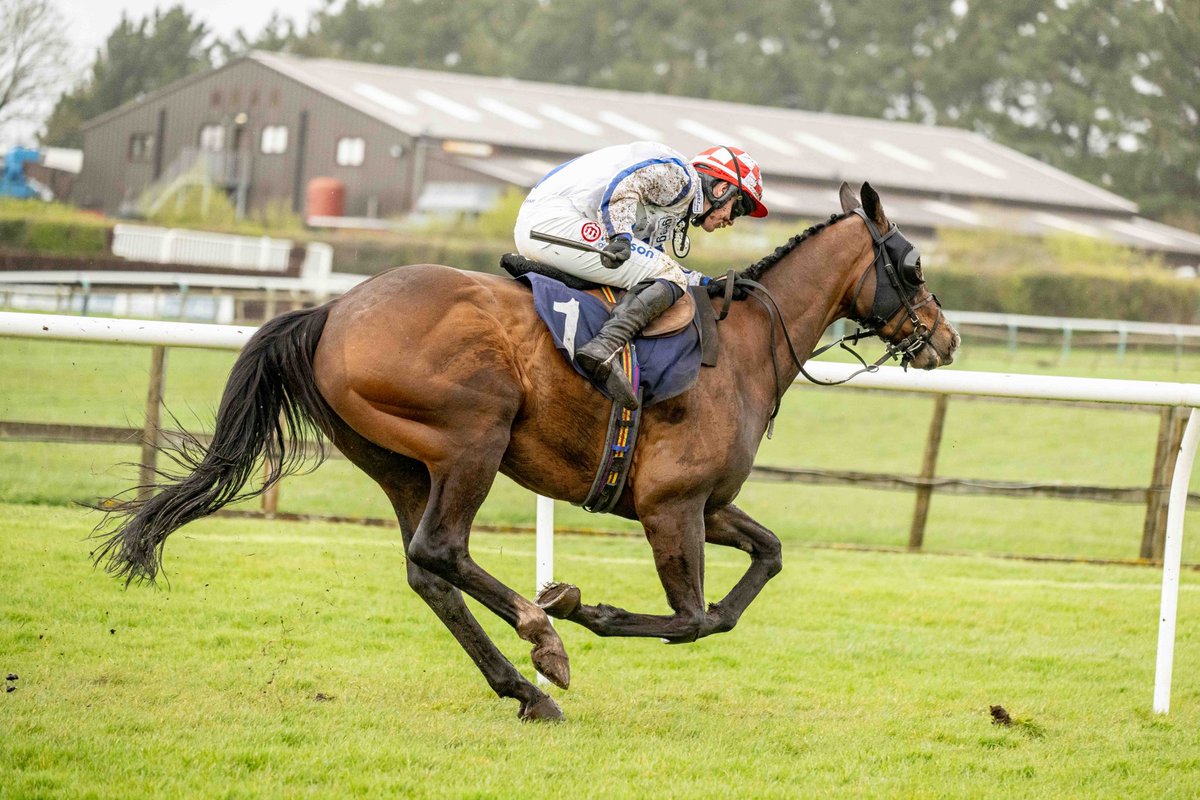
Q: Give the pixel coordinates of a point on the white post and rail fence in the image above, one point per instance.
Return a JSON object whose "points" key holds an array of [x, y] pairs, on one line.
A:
{"points": [[1162, 536]]}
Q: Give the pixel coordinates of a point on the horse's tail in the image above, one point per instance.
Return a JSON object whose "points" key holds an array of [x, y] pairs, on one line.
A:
{"points": [[271, 388]]}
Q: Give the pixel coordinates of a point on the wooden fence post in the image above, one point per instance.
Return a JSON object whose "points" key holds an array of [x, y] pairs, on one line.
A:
{"points": [[270, 498], [916, 535], [150, 432], [1170, 436]]}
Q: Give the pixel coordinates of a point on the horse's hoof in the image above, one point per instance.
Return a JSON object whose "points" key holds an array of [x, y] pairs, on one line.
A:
{"points": [[554, 664], [559, 600], [544, 710]]}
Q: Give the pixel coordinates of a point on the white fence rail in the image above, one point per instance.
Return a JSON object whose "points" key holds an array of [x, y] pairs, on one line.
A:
{"points": [[1117, 333], [888, 378], [200, 248]]}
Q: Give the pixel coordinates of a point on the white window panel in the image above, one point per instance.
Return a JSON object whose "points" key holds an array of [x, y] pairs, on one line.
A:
{"points": [[623, 123], [351, 150], [1068, 225], [824, 146], [274, 139], [573, 121], [212, 138], [900, 154], [953, 212], [505, 111], [386, 99], [702, 131], [769, 140], [972, 162], [448, 106]]}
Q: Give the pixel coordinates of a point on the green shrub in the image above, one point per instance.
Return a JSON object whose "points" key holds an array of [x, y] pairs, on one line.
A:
{"points": [[12, 232], [64, 237]]}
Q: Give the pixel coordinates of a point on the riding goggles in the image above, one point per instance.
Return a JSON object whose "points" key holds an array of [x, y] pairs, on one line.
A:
{"points": [[742, 206]]}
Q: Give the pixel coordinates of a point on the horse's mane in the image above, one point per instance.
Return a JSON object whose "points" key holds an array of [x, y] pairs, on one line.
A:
{"points": [[755, 271]]}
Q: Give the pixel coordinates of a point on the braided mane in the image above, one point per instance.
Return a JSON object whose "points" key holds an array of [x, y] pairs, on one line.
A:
{"points": [[755, 271]]}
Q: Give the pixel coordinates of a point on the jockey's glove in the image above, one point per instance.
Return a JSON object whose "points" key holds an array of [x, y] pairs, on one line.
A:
{"points": [[615, 253]]}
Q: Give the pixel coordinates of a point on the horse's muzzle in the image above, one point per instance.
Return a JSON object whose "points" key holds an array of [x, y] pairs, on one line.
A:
{"points": [[939, 350]]}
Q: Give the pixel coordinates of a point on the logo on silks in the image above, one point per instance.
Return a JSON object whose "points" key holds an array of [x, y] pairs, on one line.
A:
{"points": [[590, 232]]}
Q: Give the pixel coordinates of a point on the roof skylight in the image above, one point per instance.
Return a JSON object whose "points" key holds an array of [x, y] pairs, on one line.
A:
{"points": [[573, 121], [972, 162], [505, 111], [448, 106], [824, 146], [386, 99]]}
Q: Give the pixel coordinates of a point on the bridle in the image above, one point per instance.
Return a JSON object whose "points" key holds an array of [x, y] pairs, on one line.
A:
{"points": [[897, 260]]}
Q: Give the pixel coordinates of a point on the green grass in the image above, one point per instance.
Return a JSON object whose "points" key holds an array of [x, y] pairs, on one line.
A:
{"points": [[854, 674]]}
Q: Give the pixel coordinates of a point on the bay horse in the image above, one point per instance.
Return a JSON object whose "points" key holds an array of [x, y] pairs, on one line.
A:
{"points": [[431, 380]]}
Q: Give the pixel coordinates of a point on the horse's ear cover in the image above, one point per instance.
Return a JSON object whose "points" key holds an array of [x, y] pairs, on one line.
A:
{"points": [[874, 209]]}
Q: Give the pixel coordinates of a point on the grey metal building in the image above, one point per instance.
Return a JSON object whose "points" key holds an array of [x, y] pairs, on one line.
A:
{"points": [[265, 125]]}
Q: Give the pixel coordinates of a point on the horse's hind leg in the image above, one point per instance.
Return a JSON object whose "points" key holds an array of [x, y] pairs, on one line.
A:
{"points": [[732, 527], [447, 602], [440, 545]]}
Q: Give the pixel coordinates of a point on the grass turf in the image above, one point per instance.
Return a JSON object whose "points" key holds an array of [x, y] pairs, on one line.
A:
{"points": [[291, 660]]}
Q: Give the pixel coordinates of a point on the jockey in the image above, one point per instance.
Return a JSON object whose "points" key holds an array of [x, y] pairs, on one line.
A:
{"points": [[629, 200]]}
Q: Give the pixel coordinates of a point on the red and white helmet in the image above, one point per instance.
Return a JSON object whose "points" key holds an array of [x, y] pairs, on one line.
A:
{"points": [[735, 166]]}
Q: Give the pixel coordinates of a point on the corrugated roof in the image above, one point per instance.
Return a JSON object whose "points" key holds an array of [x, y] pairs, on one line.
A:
{"points": [[788, 143]]}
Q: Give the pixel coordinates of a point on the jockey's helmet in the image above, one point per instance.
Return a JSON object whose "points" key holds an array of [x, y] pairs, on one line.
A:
{"points": [[736, 167]]}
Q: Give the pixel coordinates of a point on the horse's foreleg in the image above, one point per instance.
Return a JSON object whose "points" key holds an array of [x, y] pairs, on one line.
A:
{"points": [[676, 536], [732, 527]]}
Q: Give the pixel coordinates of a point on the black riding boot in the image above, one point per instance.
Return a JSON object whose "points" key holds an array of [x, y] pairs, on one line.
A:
{"points": [[635, 310]]}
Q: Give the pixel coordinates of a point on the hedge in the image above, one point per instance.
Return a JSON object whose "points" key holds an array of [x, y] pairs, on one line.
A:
{"points": [[1107, 292], [46, 236]]}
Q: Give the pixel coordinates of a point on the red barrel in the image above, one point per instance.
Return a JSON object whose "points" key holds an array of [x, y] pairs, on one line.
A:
{"points": [[326, 197]]}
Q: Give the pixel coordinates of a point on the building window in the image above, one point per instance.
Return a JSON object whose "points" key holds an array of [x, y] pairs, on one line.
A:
{"points": [[274, 139], [141, 147], [350, 151], [212, 138]]}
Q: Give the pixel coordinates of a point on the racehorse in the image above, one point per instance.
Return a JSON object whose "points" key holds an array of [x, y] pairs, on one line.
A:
{"points": [[431, 380]]}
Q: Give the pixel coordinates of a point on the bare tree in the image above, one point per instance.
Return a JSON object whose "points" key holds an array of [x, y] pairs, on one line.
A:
{"points": [[34, 59]]}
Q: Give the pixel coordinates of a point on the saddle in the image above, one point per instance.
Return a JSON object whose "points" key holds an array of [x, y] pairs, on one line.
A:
{"points": [[621, 439], [671, 321]]}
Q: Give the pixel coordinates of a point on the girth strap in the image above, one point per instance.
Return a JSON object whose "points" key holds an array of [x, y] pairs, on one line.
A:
{"points": [[618, 446]]}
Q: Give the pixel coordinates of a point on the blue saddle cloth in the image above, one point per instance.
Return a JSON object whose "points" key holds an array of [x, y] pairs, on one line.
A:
{"points": [[668, 364]]}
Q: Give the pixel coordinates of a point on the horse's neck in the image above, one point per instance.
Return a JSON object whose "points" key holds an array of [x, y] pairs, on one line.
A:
{"points": [[810, 286]]}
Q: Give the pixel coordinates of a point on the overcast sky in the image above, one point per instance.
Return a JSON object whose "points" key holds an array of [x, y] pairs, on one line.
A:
{"points": [[91, 21]]}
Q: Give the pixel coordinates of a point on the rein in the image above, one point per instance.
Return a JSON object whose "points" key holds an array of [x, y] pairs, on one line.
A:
{"points": [[869, 325]]}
